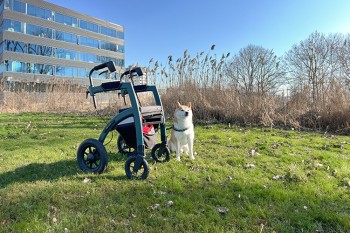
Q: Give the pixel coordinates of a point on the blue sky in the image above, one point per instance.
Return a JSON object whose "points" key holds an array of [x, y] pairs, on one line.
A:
{"points": [[159, 28]]}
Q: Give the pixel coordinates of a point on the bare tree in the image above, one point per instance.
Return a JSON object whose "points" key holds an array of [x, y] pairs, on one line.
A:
{"points": [[344, 59], [254, 70], [313, 64]]}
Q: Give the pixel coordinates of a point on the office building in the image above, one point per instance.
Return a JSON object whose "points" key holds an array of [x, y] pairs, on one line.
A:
{"points": [[41, 42]]}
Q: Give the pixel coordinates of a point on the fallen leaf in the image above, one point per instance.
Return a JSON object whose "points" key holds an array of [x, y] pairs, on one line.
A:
{"points": [[222, 210], [155, 206], [277, 177], [86, 180], [169, 203], [251, 152]]}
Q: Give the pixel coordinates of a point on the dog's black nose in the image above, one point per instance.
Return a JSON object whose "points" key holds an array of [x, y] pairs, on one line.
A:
{"points": [[186, 113]]}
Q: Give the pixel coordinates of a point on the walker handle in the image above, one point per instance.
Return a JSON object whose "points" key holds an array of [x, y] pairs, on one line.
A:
{"points": [[111, 67]]}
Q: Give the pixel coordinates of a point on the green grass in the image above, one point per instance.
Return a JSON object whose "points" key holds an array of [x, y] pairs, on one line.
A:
{"points": [[299, 182]]}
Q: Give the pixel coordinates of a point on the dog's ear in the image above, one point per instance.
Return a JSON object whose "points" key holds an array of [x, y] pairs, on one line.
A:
{"points": [[178, 104], [190, 105]]}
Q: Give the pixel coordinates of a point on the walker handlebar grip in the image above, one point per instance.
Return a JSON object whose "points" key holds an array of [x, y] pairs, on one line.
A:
{"points": [[110, 65], [135, 70], [111, 68], [99, 67]]}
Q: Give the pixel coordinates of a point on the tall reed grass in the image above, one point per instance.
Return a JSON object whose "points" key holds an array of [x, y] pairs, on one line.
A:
{"points": [[199, 79]]}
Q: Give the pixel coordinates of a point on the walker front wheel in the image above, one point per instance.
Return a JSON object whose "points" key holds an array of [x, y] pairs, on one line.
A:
{"points": [[136, 168], [92, 156]]}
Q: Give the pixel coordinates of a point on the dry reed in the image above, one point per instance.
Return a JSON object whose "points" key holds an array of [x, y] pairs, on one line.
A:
{"points": [[199, 79]]}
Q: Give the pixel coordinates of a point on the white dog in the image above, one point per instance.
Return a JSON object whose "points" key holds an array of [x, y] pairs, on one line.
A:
{"points": [[182, 135]]}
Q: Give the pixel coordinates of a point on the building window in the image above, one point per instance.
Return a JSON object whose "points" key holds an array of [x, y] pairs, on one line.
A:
{"points": [[66, 54], [13, 26], [65, 19], [43, 69], [106, 59], [108, 46], [67, 37], [120, 35], [39, 31], [3, 67], [39, 12], [40, 50], [86, 41], [15, 46], [1, 7], [108, 31], [83, 73], [16, 66], [120, 62], [87, 57], [121, 49], [88, 26], [19, 6], [66, 71], [8, 4]]}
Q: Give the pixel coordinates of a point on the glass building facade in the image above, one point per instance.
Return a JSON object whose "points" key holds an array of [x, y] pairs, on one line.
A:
{"points": [[42, 40]]}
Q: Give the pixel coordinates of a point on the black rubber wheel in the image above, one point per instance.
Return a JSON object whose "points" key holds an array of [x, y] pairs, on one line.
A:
{"points": [[92, 156], [123, 147], [143, 171], [160, 153]]}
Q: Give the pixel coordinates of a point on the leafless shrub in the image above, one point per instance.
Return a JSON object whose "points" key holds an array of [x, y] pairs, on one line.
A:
{"points": [[42, 97]]}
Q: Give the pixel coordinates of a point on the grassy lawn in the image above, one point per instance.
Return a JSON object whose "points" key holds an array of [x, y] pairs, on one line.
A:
{"points": [[242, 180]]}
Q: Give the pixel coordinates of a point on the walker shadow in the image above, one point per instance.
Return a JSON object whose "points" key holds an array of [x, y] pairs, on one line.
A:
{"points": [[52, 171], [39, 171]]}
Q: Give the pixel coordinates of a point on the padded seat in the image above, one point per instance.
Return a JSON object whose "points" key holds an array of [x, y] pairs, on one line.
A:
{"points": [[152, 114]]}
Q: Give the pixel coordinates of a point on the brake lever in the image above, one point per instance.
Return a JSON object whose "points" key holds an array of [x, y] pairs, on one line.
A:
{"points": [[103, 72]]}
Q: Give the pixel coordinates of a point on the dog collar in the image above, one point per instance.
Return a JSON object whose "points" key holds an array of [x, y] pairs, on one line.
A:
{"points": [[179, 130]]}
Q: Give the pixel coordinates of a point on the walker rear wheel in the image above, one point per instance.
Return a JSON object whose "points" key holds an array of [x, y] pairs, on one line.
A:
{"points": [[160, 153], [123, 147]]}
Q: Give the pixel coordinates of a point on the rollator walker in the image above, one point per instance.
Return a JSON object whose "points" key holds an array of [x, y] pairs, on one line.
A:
{"points": [[138, 126]]}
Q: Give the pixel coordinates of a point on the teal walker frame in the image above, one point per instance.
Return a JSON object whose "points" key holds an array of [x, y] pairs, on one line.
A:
{"points": [[92, 154]]}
